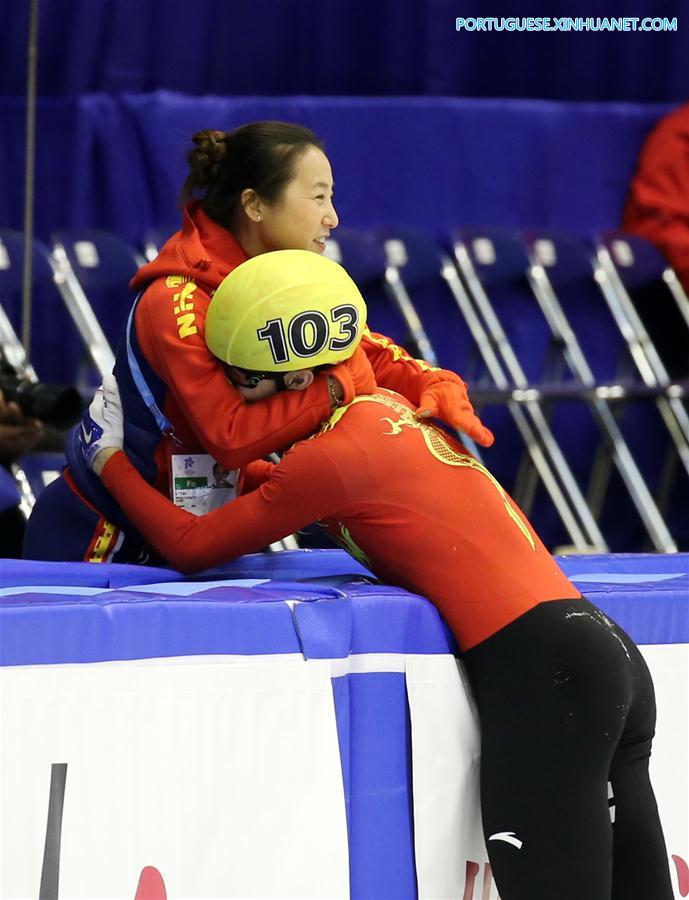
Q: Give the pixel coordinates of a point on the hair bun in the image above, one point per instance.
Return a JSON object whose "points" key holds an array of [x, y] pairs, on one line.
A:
{"points": [[205, 161]]}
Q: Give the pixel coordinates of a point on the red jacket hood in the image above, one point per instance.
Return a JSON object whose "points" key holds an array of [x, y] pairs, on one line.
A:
{"points": [[202, 250]]}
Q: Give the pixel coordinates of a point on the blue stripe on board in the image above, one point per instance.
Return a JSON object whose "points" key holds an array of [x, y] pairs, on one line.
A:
{"points": [[372, 716]]}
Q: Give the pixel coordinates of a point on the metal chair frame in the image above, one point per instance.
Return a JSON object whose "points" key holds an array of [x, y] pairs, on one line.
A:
{"points": [[395, 288], [507, 372], [80, 310], [588, 390], [78, 303], [642, 350], [15, 355]]}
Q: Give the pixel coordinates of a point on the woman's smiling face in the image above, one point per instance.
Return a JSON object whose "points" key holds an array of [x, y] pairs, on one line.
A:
{"points": [[304, 215]]}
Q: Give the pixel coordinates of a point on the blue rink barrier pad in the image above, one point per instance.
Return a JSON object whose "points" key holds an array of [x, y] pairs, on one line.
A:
{"points": [[85, 612]]}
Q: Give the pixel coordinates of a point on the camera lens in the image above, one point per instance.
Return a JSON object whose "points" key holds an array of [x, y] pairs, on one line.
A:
{"points": [[58, 405], [55, 404]]}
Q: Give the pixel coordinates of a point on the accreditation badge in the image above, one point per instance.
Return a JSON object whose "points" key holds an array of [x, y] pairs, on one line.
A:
{"points": [[198, 483]]}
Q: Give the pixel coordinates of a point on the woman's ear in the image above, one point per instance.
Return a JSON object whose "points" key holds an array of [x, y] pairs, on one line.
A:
{"points": [[252, 204], [299, 380]]}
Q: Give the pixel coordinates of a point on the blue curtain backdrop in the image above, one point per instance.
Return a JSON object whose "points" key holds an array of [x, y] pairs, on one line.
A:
{"points": [[118, 162], [356, 47], [123, 84]]}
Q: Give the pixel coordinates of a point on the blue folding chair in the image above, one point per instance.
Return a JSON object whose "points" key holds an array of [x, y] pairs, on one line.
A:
{"points": [[363, 256], [154, 239], [427, 280], [651, 311], [15, 488], [375, 261], [32, 472], [590, 353], [494, 266], [412, 297], [95, 269], [625, 269], [57, 352], [42, 467], [415, 284], [416, 281], [371, 261], [656, 296]]}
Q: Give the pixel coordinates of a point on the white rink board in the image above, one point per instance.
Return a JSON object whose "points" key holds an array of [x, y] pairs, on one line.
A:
{"points": [[226, 778], [224, 774]]}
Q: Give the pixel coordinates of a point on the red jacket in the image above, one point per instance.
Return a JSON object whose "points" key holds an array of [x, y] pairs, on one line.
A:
{"points": [[658, 202]]}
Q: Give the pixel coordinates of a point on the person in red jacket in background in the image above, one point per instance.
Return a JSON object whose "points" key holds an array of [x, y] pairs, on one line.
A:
{"points": [[657, 209], [565, 699], [657, 206], [263, 187]]}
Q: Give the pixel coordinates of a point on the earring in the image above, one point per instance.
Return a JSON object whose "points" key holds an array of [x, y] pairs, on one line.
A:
{"points": [[259, 218]]}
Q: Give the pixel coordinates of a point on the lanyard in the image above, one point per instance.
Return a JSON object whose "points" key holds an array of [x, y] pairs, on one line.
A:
{"points": [[144, 390]]}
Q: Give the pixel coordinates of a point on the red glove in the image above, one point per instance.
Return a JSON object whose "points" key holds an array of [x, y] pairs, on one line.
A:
{"points": [[355, 375], [448, 400]]}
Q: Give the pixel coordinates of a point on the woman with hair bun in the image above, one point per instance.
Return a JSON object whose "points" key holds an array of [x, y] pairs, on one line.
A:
{"points": [[265, 186]]}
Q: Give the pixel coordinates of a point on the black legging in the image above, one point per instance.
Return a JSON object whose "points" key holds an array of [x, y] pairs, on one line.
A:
{"points": [[566, 706]]}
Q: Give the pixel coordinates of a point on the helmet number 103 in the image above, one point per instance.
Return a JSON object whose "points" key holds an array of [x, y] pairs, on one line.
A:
{"points": [[308, 333]]}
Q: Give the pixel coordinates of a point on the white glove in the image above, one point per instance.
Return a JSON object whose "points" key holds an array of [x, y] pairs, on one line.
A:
{"points": [[103, 424]]}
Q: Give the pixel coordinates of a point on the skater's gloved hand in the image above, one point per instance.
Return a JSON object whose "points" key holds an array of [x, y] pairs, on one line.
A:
{"points": [[102, 428], [444, 396]]}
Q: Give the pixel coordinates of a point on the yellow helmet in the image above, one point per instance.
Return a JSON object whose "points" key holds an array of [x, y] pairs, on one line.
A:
{"points": [[285, 310]]}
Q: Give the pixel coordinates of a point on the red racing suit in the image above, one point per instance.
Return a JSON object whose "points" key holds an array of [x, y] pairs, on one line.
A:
{"points": [[399, 494]]}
